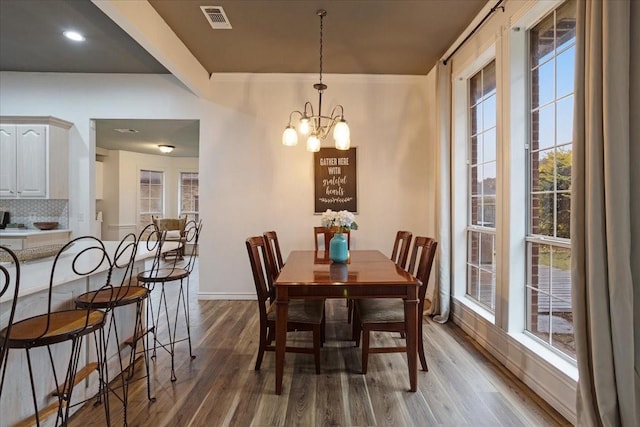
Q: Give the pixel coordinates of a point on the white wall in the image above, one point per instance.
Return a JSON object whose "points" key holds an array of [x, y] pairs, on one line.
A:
{"points": [[250, 182]]}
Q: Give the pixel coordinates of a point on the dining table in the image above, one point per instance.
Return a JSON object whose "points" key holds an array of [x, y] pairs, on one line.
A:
{"points": [[309, 274]]}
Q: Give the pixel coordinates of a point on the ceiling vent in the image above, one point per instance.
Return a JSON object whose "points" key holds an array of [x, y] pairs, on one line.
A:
{"points": [[216, 17]]}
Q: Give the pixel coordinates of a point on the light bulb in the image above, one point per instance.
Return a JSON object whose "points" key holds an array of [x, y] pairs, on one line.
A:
{"points": [[313, 143], [290, 136], [342, 135], [304, 125]]}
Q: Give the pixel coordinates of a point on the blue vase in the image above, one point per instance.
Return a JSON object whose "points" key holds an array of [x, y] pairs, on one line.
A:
{"points": [[338, 248]]}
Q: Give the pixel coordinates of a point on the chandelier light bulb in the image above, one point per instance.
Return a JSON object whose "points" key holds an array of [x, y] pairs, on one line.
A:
{"points": [[305, 127], [289, 136], [313, 143], [342, 135]]}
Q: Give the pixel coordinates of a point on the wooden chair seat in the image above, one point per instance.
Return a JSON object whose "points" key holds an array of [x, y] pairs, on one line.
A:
{"points": [[162, 275], [34, 331], [107, 298], [302, 311]]}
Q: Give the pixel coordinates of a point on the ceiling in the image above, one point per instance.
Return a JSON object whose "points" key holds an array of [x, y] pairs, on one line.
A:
{"points": [[404, 37]]}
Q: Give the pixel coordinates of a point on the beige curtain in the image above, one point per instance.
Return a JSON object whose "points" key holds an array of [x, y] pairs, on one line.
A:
{"points": [[605, 213], [440, 305]]}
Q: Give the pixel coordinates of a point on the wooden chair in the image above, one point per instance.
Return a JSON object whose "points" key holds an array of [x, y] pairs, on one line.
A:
{"points": [[304, 315], [54, 327], [126, 293], [163, 273], [324, 235], [401, 246], [388, 314], [175, 232], [273, 249]]}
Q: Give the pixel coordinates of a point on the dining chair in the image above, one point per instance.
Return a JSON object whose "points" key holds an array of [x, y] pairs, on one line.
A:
{"points": [[273, 252], [401, 247], [127, 292], [162, 273], [387, 315], [304, 315], [175, 228], [323, 235], [60, 326]]}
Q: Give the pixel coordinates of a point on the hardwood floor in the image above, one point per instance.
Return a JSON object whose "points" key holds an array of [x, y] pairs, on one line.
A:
{"points": [[464, 385]]}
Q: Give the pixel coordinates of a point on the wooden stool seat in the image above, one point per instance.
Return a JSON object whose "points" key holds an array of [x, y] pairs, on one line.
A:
{"points": [[53, 328], [118, 297]]}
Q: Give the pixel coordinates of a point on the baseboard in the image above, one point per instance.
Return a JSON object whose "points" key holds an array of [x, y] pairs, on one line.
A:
{"points": [[546, 380], [226, 296]]}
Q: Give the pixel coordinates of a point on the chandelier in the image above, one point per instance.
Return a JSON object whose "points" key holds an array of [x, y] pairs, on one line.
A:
{"points": [[318, 126]]}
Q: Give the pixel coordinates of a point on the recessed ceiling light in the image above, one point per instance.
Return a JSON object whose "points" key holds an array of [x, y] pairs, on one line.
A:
{"points": [[74, 35], [126, 130], [166, 148]]}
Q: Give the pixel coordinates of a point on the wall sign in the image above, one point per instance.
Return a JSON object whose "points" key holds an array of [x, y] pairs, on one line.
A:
{"points": [[335, 180]]}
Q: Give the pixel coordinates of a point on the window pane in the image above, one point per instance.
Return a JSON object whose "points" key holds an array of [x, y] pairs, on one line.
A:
{"points": [[563, 226], [489, 145], [561, 327], [489, 112], [476, 214], [564, 120], [475, 88], [542, 81], [563, 168], [537, 318], [474, 150], [543, 128], [542, 221], [543, 170], [476, 119], [566, 67], [475, 181], [542, 41], [489, 78]]}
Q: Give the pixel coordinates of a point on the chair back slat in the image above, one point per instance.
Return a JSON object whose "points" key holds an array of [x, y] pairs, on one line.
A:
{"points": [[273, 249], [258, 259], [401, 247], [422, 256], [324, 235]]}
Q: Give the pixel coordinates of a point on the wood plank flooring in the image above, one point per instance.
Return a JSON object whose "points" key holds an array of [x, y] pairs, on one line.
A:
{"points": [[464, 385]]}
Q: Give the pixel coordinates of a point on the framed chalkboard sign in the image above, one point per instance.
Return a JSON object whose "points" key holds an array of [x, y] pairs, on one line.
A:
{"points": [[335, 180]]}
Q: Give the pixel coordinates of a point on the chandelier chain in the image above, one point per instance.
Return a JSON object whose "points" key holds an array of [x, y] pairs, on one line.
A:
{"points": [[321, 27]]}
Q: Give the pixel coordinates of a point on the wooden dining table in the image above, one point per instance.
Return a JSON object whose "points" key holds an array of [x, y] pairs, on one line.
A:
{"points": [[367, 274]]}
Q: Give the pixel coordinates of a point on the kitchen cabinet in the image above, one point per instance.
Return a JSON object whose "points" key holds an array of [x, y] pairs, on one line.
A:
{"points": [[34, 158]]}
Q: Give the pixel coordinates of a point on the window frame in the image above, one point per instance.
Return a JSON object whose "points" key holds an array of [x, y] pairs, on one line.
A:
{"points": [[180, 211], [140, 212]]}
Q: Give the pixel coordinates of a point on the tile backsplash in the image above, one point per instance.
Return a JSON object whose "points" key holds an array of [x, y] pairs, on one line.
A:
{"points": [[28, 211]]}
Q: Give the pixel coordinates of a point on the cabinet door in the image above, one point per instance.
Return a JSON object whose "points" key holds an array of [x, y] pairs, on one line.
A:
{"points": [[32, 161], [8, 161]]}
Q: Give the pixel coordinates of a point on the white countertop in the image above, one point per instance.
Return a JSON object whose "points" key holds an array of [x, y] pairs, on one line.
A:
{"points": [[35, 275], [24, 232]]}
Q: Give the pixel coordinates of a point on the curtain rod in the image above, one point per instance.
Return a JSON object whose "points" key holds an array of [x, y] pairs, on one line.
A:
{"points": [[491, 12]]}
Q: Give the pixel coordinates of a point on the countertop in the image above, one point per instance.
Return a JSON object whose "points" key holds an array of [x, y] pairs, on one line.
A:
{"points": [[35, 275], [25, 232]]}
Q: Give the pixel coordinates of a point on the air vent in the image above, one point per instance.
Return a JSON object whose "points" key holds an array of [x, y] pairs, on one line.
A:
{"points": [[216, 17], [126, 130]]}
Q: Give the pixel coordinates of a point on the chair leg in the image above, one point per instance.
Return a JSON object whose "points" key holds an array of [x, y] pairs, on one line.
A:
{"points": [[365, 349], [322, 328], [264, 339], [356, 328], [423, 359], [316, 346], [349, 310]]}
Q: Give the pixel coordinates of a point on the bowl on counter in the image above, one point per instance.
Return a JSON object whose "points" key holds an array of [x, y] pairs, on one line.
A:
{"points": [[45, 225]]}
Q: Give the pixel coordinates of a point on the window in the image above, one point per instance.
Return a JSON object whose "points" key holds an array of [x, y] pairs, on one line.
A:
{"points": [[189, 202], [151, 196], [551, 76], [481, 231]]}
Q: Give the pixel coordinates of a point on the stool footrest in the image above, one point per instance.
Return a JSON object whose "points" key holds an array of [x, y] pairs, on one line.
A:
{"points": [[42, 414], [80, 375], [131, 341]]}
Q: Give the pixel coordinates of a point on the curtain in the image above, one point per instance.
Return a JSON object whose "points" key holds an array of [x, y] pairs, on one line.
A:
{"points": [[605, 213], [440, 305]]}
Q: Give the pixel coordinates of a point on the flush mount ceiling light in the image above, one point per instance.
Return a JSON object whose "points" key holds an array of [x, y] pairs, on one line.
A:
{"points": [[74, 35], [318, 126], [166, 148]]}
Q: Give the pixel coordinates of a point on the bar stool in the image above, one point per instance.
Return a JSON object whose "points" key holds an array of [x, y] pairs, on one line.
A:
{"points": [[54, 327], [127, 292], [163, 273]]}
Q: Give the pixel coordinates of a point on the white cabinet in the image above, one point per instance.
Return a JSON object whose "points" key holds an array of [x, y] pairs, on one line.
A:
{"points": [[34, 158]]}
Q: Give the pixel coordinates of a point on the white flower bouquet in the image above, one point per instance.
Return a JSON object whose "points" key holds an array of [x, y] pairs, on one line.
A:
{"points": [[339, 222]]}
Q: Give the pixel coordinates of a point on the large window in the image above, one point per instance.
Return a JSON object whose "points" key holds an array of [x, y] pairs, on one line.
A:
{"points": [[552, 66], [151, 196], [481, 223], [189, 201]]}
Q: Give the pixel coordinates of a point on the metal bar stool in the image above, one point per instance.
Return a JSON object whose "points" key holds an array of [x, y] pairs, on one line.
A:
{"points": [[161, 274], [53, 327], [126, 293]]}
